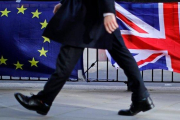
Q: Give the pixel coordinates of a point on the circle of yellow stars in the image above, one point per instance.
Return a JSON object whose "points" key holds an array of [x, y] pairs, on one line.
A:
{"points": [[43, 52]]}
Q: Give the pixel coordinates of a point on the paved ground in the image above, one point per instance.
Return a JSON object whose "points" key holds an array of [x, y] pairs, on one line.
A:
{"points": [[90, 101]]}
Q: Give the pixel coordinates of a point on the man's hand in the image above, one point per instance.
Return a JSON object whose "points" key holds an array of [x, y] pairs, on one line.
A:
{"points": [[56, 8], [110, 23]]}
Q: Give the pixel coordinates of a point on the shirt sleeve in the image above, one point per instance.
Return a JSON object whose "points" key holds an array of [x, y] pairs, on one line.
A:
{"points": [[107, 14]]}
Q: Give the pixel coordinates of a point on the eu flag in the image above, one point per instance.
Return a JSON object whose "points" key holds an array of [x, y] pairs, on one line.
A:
{"points": [[24, 52]]}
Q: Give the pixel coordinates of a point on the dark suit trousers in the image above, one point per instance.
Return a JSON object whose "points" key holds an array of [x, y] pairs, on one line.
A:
{"points": [[69, 56]]}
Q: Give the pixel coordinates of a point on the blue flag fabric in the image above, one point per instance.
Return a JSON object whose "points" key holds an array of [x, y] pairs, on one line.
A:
{"points": [[24, 52]]}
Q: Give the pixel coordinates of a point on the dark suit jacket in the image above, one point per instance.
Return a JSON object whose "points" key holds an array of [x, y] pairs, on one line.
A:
{"points": [[80, 23]]}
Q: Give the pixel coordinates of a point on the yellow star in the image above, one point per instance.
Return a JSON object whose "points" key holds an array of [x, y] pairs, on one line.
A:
{"points": [[44, 24], [33, 62], [21, 10], [18, 65], [46, 39], [5, 12], [36, 14], [3, 61], [43, 52]]}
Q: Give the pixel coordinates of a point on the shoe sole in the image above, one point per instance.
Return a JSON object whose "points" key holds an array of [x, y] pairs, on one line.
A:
{"points": [[39, 112], [147, 108]]}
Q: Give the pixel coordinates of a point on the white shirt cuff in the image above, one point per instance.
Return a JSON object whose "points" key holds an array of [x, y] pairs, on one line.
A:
{"points": [[106, 14]]}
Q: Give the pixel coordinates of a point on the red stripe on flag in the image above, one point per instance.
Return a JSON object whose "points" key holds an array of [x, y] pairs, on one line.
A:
{"points": [[130, 23], [149, 59]]}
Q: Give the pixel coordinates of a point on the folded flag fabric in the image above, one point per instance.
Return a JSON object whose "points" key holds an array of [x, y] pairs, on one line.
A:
{"points": [[151, 32], [24, 52]]}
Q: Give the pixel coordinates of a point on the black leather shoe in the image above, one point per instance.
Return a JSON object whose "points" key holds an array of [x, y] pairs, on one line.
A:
{"points": [[136, 107], [32, 103]]}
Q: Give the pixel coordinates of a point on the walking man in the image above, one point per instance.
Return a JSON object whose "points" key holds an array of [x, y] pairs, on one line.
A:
{"points": [[78, 24]]}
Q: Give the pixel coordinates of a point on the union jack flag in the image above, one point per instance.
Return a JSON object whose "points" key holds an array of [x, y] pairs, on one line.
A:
{"points": [[151, 32]]}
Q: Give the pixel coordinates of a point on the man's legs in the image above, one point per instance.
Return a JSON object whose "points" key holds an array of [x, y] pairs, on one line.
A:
{"points": [[141, 100], [41, 103], [127, 62], [66, 61]]}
